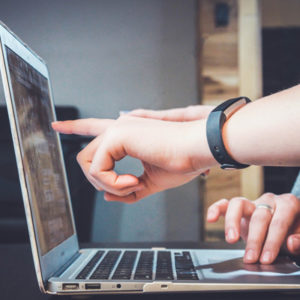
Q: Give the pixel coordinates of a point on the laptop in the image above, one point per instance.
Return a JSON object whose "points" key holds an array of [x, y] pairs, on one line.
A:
{"points": [[61, 266]]}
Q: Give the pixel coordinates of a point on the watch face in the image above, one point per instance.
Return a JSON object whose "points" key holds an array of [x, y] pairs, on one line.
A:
{"points": [[228, 167], [233, 167]]}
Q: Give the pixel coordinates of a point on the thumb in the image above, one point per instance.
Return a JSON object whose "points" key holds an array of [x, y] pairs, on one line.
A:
{"points": [[93, 127]]}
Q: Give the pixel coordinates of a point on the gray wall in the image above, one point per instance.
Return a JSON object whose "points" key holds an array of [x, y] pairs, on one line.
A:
{"points": [[110, 55]]}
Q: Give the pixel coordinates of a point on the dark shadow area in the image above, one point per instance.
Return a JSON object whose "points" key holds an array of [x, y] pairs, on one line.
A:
{"points": [[281, 70]]}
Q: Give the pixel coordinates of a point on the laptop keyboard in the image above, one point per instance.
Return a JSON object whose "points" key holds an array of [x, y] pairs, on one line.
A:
{"points": [[107, 269], [91, 264]]}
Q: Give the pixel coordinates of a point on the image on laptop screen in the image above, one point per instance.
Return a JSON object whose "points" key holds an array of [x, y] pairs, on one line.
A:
{"points": [[40, 154]]}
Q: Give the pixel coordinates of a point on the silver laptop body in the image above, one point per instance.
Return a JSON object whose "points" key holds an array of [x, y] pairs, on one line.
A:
{"points": [[61, 267]]}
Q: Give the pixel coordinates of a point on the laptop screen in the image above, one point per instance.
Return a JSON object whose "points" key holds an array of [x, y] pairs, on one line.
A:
{"points": [[40, 154]]}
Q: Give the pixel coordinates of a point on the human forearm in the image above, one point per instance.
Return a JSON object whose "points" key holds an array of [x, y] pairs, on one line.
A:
{"points": [[265, 132]]}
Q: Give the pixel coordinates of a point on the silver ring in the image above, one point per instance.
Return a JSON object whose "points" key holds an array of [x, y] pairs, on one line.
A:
{"points": [[265, 206]]}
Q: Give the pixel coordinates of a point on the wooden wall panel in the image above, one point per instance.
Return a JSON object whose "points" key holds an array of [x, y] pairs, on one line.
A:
{"points": [[250, 79], [220, 78]]}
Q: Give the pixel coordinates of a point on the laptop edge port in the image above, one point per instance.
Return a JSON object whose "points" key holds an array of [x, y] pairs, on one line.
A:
{"points": [[92, 286], [70, 286]]}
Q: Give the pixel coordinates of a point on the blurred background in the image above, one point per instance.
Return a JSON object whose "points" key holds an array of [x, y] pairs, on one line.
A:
{"points": [[108, 56]]}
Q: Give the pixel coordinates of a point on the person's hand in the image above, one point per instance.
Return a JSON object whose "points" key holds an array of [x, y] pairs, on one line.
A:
{"points": [[172, 154], [184, 114], [266, 225]]}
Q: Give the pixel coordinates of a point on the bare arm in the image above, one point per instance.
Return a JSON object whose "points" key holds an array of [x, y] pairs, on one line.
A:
{"points": [[267, 131]]}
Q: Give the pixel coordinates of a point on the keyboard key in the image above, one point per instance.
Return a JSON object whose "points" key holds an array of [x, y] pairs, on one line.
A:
{"points": [[90, 265], [125, 266], [185, 268], [105, 267], [144, 268], [164, 269]]}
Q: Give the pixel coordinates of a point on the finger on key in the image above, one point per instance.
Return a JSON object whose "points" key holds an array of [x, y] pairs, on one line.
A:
{"points": [[238, 208], [258, 228], [280, 225], [216, 210]]}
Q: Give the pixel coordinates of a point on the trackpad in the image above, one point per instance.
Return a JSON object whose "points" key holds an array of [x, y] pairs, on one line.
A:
{"points": [[228, 267]]}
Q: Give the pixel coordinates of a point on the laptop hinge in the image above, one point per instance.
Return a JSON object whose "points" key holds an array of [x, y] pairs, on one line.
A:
{"points": [[62, 269]]}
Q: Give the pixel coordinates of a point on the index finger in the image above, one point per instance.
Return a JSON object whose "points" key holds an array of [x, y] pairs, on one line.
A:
{"points": [[89, 126], [190, 113]]}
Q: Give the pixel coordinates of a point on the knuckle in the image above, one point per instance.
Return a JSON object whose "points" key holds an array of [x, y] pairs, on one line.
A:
{"points": [[237, 199], [269, 195], [93, 173], [79, 157], [293, 201], [220, 203]]}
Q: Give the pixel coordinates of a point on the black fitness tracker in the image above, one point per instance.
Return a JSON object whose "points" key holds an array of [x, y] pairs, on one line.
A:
{"points": [[214, 125]]}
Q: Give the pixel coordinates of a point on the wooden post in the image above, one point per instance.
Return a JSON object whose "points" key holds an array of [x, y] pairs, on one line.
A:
{"points": [[229, 66], [218, 81], [250, 79]]}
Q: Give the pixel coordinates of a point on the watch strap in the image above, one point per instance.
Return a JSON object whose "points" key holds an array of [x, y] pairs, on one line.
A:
{"points": [[215, 122]]}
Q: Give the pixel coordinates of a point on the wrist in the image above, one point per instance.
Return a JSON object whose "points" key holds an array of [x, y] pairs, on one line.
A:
{"points": [[215, 133], [201, 156], [234, 131]]}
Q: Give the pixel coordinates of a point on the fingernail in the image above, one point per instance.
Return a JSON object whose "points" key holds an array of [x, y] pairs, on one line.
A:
{"points": [[296, 243], [250, 255], [211, 214], [266, 257], [231, 234]]}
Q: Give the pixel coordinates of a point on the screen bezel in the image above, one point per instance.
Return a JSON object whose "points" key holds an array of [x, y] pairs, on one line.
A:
{"points": [[46, 265]]}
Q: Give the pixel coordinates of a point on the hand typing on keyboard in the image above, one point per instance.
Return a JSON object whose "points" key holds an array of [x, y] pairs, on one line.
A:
{"points": [[266, 225]]}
